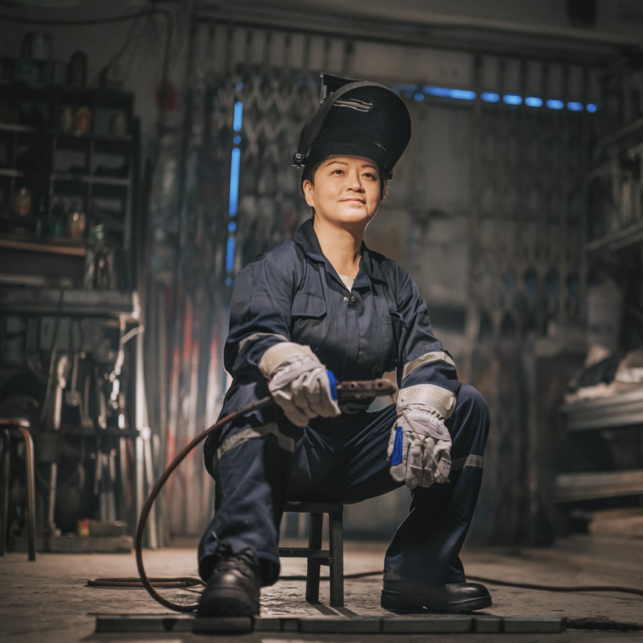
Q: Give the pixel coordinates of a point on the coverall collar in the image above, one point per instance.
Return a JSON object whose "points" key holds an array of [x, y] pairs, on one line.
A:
{"points": [[369, 268]]}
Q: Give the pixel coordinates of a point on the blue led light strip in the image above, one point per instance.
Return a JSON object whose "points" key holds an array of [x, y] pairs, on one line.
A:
{"points": [[229, 257], [234, 181], [238, 116], [235, 166], [419, 94]]}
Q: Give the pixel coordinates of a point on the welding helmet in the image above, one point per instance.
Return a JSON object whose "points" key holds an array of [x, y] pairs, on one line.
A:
{"points": [[356, 118]]}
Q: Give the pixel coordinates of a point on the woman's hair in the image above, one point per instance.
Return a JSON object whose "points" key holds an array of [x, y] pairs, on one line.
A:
{"points": [[309, 171]]}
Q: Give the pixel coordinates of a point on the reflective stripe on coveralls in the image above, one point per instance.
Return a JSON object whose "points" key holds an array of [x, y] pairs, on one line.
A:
{"points": [[284, 441], [469, 461], [254, 336], [425, 359]]}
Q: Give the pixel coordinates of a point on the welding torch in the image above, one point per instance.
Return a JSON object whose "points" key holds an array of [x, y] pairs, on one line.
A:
{"points": [[345, 390]]}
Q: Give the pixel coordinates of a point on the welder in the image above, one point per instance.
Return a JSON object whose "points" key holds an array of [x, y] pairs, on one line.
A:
{"points": [[323, 307]]}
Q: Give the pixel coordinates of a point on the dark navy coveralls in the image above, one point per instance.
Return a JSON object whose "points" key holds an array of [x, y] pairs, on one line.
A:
{"points": [[260, 461]]}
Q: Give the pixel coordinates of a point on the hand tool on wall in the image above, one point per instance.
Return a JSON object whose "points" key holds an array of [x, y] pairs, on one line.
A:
{"points": [[62, 372]]}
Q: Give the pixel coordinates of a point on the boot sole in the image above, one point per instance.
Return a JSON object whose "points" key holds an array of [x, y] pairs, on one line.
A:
{"points": [[402, 603], [227, 602]]}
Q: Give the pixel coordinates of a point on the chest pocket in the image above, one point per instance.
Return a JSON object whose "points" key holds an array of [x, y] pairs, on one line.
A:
{"points": [[308, 325], [392, 328]]}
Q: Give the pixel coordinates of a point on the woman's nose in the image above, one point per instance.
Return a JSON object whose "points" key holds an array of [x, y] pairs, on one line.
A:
{"points": [[354, 181]]}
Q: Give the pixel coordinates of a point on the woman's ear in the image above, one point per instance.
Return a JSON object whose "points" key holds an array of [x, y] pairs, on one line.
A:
{"points": [[307, 188]]}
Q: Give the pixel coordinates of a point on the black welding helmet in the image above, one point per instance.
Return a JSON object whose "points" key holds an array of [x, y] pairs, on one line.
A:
{"points": [[356, 118]]}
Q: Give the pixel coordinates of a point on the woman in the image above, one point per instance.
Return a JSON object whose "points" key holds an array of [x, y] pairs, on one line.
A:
{"points": [[323, 300]]}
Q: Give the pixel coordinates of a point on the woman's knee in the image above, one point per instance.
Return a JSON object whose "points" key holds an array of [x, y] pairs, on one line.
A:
{"points": [[472, 403]]}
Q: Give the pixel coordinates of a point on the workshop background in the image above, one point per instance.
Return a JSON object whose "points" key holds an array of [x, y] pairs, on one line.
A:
{"points": [[145, 158]]}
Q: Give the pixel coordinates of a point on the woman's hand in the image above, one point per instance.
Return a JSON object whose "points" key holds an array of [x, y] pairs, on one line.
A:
{"points": [[299, 383], [419, 447]]}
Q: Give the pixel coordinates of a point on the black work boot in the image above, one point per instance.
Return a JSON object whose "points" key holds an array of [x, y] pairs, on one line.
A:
{"points": [[452, 597], [233, 588]]}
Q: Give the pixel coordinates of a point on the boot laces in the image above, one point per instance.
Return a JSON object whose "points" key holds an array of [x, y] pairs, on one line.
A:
{"points": [[244, 562]]}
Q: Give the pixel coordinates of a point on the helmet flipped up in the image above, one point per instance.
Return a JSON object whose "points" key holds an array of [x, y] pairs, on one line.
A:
{"points": [[356, 118]]}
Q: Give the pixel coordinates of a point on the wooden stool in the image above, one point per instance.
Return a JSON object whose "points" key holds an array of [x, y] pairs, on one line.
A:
{"points": [[7, 425], [333, 557]]}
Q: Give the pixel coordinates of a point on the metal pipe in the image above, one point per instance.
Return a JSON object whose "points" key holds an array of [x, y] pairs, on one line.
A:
{"points": [[4, 492], [152, 537], [484, 38], [51, 505], [31, 492], [392, 17]]}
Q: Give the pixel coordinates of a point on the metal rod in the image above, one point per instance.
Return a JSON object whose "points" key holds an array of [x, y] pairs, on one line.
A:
{"points": [[51, 505], [336, 547], [31, 492], [140, 475], [152, 535], [484, 39], [4, 491], [314, 543]]}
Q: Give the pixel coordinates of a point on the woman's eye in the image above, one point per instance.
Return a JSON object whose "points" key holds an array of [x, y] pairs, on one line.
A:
{"points": [[369, 175], [338, 172]]}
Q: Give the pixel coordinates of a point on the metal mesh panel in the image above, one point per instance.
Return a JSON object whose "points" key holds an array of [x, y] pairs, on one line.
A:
{"points": [[527, 273]]}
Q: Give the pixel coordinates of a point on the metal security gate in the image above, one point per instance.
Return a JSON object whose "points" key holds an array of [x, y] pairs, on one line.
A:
{"points": [[531, 152]]}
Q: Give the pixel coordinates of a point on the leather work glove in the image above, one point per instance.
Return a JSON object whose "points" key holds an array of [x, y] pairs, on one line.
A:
{"points": [[420, 445], [299, 382]]}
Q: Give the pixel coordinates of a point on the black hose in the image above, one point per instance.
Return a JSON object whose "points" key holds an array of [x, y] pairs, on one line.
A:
{"points": [[260, 404], [346, 389], [372, 388], [561, 588], [190, 581]]}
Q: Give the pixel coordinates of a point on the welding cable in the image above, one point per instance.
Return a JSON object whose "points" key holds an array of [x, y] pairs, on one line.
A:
{"points": [[378, 387], [186, 582], [147, 507], [265, 402], [135, 583], [561, 588], [494, 581]]}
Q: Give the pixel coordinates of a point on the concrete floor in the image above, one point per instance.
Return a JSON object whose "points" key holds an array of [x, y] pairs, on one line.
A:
{"points": [[49, 601]]}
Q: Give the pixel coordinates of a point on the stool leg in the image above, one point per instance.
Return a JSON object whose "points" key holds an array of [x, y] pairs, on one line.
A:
{"points": [[4, 491], [31, 493], [314, 542], [336, 538]]}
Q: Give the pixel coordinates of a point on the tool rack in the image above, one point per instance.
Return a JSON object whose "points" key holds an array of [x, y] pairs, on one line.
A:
{"points": [[43, 269]]}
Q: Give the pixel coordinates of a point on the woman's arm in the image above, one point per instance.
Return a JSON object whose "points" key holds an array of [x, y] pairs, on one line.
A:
{"points": [[420, 444], [422, 359], [260, 314]]}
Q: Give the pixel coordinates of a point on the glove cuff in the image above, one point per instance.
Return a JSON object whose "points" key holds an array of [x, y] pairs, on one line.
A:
{"points": [[282, 353], [438, 400]]}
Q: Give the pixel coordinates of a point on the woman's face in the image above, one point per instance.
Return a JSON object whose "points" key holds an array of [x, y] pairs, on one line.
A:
{"points": [[346, 191]]}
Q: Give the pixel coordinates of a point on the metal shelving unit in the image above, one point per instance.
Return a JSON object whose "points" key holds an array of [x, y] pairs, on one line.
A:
{"points": [[16, 300], [43, 274], [614, 231], [65, 169], [615, 412]]}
